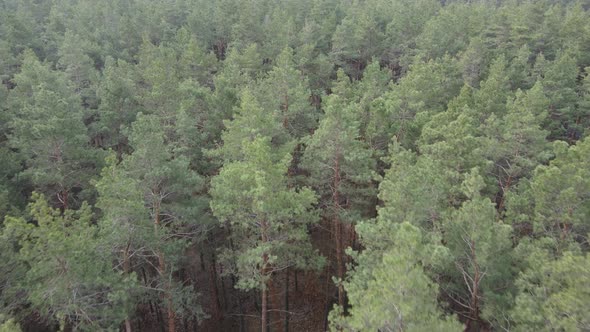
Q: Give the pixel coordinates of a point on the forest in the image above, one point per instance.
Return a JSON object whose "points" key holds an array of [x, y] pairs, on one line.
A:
{"points": [[294, 165]]}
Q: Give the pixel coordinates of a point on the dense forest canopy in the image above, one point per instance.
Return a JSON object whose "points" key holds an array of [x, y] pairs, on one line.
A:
{"points": [[294, 165]]}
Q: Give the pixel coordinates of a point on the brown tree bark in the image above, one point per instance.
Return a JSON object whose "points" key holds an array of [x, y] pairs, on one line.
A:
{"points": [[214, 291], [287, 300], [264, 272], [263, 326], [275, 303], [474, 309], [171, 315], [126, 268], [338, 228]]}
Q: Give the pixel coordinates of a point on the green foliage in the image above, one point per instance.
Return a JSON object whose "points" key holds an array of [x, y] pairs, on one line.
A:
{"points": [[47, 126], [553, 293], [481, 272], [268, 219], [559, 192], [395, 294], [559, 82], [118, 106], [472, 115], [340, 165], [413, 189], [149, 210], [286, 92], [9, 326], [410, 104], [67, 279]]}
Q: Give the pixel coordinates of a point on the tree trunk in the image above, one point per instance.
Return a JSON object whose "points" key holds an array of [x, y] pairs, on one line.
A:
{"points": [[161, 271], [504, 189], [339, 262], [264, 271], [286, 111], [287, 300], [62, 197], [338, 228], [214, 290], [239, 295], [171, 315], [126, 268], [127, 325], [474, 304], [273, 293], [263, 326]]}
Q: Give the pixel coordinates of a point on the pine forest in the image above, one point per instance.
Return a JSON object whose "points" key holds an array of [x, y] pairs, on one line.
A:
{"points": [[294, 165]]}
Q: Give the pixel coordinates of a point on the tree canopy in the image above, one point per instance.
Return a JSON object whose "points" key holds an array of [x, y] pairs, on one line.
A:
{"points": [[294, 165]]}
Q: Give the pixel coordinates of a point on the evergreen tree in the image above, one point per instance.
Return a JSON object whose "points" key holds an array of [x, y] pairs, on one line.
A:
{"points": [[559, 191], [581, 123], [151, 212], [118, 106], [356, 40], [286, 92], [67, 279], [79, 68], [553, 293], [408, 105], [341, 170], [47, 128], [396, 294], [268, 220], [479, 277], [516, 143], [559, 81]]}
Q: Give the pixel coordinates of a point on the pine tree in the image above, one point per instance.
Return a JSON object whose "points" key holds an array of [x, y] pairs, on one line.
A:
{"points": [[118, 107], [479, 277], [559, 194], [286, 92], [47, 127], [407, 106], [267, 219], [79, 68], [450, 30], [559, 82], [392, 292], [149, 200], [553, 293], [67, 280], [415, 189], [516, 143], [10, 163], [356, 40], [581, 123], [341, 170]]}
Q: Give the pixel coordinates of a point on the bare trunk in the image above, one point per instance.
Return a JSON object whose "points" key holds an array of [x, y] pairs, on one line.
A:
{"points": [[126, 268], [338, 228], [263, 326], [264, 272], [161, 271], [474, 304], [504, 192], [127, 325], [171, 315], [62, 197], [275, 303], [286, 112], [214, 290], [287, 300], [340, 264]]}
